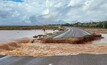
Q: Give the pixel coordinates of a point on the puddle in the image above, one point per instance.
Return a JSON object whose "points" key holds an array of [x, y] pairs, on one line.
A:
{"points": [[102, 41]]}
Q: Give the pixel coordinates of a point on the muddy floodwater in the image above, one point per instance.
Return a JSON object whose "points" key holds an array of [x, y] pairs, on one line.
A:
{"points": [[41, 49], [7, 35], [102, 41]]}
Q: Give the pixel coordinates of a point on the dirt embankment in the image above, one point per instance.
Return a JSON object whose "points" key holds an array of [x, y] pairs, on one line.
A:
{"points": [[73, 40], [96, 30]]}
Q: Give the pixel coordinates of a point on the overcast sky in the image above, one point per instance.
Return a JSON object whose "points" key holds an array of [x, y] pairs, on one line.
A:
{"points": [[29, 12]]}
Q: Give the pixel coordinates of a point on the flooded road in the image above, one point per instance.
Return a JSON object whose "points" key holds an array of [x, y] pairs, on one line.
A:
{"points": [[41, 49], [102, 41], [7, 35]]}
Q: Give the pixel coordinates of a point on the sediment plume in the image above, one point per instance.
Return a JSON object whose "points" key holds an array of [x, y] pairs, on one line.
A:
{"points": [[24, 40], [13, 44], [9, 45]]}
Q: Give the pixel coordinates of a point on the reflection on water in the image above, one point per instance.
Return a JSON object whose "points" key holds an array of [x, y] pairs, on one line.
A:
{"points": [[6, 35], [102, 41]]}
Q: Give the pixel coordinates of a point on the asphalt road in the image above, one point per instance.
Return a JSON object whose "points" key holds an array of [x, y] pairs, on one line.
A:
{"points": [[2, 56], [84, 59], [74, 33]]}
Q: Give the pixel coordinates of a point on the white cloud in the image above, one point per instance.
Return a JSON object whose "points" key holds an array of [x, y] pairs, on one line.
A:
{"points": [[52, 10]]}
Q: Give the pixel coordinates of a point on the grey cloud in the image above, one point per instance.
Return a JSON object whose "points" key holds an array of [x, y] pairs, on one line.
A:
{"points": [[53, 11]]}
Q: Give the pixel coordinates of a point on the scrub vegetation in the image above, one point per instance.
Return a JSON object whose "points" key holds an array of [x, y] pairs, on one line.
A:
{"points": [[101, 24], [27, 27]]}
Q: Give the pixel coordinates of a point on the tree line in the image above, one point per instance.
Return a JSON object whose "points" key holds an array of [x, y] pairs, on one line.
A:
{"points": [[102, 24]]}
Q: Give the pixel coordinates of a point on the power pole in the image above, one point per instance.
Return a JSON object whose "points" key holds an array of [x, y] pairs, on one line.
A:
{"points": [[103, 25]]}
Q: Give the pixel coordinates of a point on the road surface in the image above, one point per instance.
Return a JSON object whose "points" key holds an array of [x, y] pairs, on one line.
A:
{"points": [[84, 59], [74, 33]]}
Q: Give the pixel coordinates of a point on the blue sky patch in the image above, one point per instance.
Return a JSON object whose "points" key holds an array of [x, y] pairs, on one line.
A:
{"points": [[16, 0]]}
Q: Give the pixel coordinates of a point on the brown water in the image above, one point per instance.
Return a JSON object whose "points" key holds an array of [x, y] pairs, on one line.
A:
{"points": [[8, 35], [102, 41], [40, 49]]}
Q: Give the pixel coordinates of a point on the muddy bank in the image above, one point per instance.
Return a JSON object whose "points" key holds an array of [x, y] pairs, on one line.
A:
{"points": [[73, 40], [96, 30]]}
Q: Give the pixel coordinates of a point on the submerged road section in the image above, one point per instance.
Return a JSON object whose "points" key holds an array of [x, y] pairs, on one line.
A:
{"points": [[84, 59], [73, 33]]}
